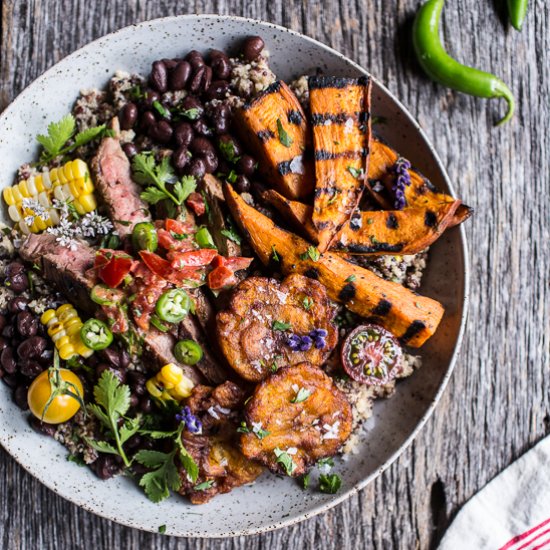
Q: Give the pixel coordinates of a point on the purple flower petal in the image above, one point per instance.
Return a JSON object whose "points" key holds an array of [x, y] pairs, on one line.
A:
{"points": [[320, 343], [306, 344]]}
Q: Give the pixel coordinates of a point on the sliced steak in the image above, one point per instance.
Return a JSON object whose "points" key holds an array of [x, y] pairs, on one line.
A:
{"points": [[112, 174], [69, 270]]}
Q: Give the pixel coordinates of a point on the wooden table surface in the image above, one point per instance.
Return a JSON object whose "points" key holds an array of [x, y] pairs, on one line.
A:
{"points": [[497, 403]]}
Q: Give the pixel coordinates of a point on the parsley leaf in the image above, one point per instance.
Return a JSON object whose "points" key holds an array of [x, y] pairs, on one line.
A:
{"points": [[356, 173], [301, 395], [285, 460], [307, 302], [204, 485], [284, 138], [58, 134], [281, 326], [329, 483], [312, 253], [350, 279]]}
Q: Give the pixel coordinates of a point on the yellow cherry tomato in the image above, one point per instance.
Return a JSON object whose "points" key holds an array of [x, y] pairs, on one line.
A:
{"points": [[63, 407]]}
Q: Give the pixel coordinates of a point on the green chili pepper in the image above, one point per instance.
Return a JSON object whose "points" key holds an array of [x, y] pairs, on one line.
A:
{"points": [[188, 352], [158, 324], [441, 67], [517, 9], [144, 237], [96, 334], [204, 238], [173, 305], [104, 296]]}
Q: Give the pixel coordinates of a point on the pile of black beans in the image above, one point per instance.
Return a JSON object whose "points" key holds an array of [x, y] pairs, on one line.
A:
{"points": [[198, 134], [25, 349]]}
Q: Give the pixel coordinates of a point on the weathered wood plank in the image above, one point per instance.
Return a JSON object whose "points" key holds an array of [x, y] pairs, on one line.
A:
{"points": [[497, 404]]}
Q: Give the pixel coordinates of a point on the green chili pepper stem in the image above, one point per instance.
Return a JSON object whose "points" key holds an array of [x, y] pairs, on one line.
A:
{"points": [[442, 68], [517, 9]]}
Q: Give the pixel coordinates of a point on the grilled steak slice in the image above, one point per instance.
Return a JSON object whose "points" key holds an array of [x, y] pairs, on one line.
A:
{"points": [[120, 193], [69, 270]]}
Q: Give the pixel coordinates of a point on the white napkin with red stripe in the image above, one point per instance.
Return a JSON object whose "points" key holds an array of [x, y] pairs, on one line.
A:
{"points": [[512, 512]]}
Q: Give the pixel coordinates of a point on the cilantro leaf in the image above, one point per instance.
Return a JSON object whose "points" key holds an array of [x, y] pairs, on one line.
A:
{"points": [[329, 483], [163, 477], [275, 256], [101, 446], [285, 460], [110, 394], [301, 395], [185, 187], [147, 172], [231, 233], [284, 138], [306, 478], [88, 135], [227, 149], [204, 485], [281, 326], [58, 134], [307, 302], [312, 253], [350, 279], [355, 172], [152, 195]]}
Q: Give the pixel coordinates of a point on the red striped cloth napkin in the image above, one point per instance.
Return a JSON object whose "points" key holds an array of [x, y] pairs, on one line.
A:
{"points": [[512, 512]]}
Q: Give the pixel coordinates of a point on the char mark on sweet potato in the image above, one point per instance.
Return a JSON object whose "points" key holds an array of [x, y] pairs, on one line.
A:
{"points": [[341, 150], [112, 175], [275, 128]]}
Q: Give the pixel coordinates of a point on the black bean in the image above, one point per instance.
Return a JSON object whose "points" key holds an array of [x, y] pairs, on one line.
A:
{"points": [[159, 77], [105, 466], [183, 133], [30, 368], [215, 54], [20, 397], [124, 358], [161, 131], [229, 147], [17, 304], [170, 64], [223, 166], [134, 401], [192, 102], [8, 332], [217, 90], [3, 343], [179, 76], [201, 127], [11, 380], [43, 427], [134, 442], [210, 162], [136, 379], [221, 67], [252, 47], [201, 145], [180, 158], [146, 404], [147, 120], [3, 322], [13, 268], [151, 97], [130, 149], [18, 282], [206, 79], [195, 82], [246, 165], [195, 59], [111, 356], [46, 357], [196, 168], [242, 184], [220, 126], [128, 116], [32, 347], [7, 360], [119, 373], [27, 324]]}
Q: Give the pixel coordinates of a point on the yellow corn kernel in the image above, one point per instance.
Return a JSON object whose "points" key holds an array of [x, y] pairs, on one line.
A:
{"points": [[62, 342], [66, 352], [46, 179], [81, 348], [61, 309], [23, 189], [171, 374], [166, 396], [61, 176], [74, 328], [9, 199], [39, 223], [79, 169], [67, 314], [24, 228], [68, 171], [17, 197], [47, 316], [39, 183], [13, 213], [78, 207], [152, 388], [183, 389], [87, 202]]}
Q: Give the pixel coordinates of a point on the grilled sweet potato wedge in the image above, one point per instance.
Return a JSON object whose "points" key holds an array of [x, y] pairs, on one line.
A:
{"points": [[420, 194], [275, 128], [410, 317], [305, 415], [340, 115], [254, 331], [215, 449]]}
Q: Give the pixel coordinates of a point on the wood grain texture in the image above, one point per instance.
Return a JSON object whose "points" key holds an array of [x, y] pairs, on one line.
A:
{"points": [[497, 404]]}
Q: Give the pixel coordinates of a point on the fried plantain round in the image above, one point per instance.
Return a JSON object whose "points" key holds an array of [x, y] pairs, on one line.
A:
{"points": [[270, 324], [294, 418]]}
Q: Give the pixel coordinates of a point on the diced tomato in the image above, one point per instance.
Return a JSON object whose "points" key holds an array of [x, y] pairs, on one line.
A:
{"points": [[159, 266], [112, 266], [236, 263], [169, 242], [196, 203], [147, 295], [200, 257], [179, 227], [180, 277], [221, 277]]}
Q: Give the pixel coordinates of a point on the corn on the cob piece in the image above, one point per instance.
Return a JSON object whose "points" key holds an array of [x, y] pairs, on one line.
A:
{"points": [[169, 384], [64, 326], [34, 197]]}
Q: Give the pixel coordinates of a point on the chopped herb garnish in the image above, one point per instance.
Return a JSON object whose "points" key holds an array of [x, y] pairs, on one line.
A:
{"points": [[275, 255], [281, 326], [306, 478], [162, 529], [161, 109], [370, 221], [351, 278], [355, 172], [232, 177], [312, 253], [301, 395], [243, 428], [379, 120], [231, 233], [78, 460], [307, 302], [329, 461], [329, 483], [204, 485], [227, 149], [285, 460], [284, 138]]}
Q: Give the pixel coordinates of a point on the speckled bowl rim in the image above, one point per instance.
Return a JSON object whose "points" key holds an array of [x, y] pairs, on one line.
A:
{"points": [[79, 501]]}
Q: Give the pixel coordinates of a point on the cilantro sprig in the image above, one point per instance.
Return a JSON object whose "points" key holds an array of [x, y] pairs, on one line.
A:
{"points": [[284, 138], [312, 253], [285, 460], [55, 142], [112, 401], [156, 176]]}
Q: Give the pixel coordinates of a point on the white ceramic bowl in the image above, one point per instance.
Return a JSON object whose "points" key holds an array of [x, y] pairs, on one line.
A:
{"points": [[271, 502]]}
